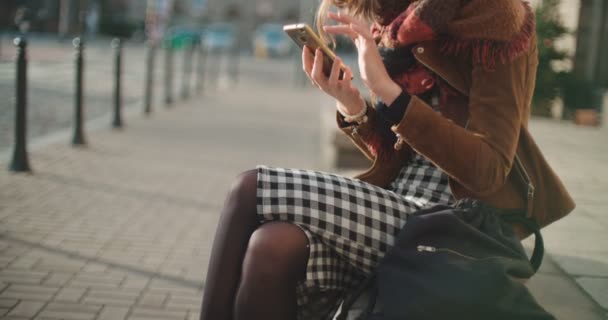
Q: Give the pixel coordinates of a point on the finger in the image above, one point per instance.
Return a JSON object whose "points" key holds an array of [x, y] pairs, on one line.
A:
{"points": [[341, 17], [335, 73], [317, 69], [344, 29], [361, 30], [307, 61], [348, 75]]}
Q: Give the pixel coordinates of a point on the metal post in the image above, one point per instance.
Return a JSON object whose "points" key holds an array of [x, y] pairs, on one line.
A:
{"points": [[233, 64], [78, 137], [117, 45], [168, 73], [200, 72], [150, 61], [187, 71], [20, 161]]}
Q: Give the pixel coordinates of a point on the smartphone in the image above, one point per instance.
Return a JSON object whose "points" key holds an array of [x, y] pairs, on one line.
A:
{"points": [[303, 35]]}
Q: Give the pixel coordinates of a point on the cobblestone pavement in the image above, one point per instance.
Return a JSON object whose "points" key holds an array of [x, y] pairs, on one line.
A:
{"points": [[122, 229], [579, 243]]}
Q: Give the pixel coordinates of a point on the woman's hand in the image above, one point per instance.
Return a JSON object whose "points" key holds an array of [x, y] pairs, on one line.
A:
{"points": [[348, 96], [373, 72]]}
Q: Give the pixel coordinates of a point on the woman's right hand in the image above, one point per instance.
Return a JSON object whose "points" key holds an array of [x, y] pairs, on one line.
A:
{"points": [[348, 96]]}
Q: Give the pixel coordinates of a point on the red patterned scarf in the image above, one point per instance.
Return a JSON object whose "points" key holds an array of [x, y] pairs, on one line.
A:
{"points": [[492, 31]]}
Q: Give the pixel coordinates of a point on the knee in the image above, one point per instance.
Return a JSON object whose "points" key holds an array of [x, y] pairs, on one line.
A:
{"points": [[245, 184], [277, 248]]}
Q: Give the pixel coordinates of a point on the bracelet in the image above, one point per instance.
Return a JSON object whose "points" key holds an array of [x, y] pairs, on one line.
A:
{"points": [[359, 118]]}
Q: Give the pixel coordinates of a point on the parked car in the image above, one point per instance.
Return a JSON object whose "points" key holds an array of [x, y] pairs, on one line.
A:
{"points": [[269, 39], [220, 36]]}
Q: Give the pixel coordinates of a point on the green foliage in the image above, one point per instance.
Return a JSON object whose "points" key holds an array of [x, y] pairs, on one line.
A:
{"points": [[549, 28], [577, 93]]}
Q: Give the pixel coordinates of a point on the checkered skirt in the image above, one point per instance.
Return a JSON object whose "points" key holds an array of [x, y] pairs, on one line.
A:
{"points": [[350, 224]]}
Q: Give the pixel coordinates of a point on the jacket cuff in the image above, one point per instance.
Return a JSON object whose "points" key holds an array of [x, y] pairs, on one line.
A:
{"points": [[372, 139], [416, 121], [393, 114]]}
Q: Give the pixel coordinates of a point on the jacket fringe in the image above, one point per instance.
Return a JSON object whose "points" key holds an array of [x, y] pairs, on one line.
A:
{"points": [[490, 52]]}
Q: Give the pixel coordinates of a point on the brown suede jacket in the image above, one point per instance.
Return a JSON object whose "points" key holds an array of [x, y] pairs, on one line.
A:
{"points": [[477, 137]]}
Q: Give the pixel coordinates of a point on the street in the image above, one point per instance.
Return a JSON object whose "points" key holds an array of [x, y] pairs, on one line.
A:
{"points": [[51, 81]]}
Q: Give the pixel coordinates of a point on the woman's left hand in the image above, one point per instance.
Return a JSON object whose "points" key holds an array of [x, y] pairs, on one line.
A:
{"points": [[373, 72]]}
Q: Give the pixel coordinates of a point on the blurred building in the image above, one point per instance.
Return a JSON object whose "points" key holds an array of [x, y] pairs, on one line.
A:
{"points": [[588, 42], [591, 61]]}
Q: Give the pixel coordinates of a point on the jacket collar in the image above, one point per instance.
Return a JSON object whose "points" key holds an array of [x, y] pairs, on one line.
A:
{"points": [[452, 70]]}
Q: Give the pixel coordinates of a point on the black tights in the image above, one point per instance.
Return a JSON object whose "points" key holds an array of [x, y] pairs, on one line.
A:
{"points": [[254, 269]]}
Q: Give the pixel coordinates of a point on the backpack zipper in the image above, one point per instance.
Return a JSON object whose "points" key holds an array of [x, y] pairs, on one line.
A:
{"points": [[430, 249]]}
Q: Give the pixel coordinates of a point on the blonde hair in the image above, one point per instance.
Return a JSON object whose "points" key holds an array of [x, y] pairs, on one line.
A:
{"points": [[365, 9]]}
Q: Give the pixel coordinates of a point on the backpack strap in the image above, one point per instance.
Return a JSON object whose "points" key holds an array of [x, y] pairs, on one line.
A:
{"points": [[539, 246]]}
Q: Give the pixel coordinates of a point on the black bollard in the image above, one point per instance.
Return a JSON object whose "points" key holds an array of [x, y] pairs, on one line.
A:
{"points": [[200, 67], [233, 64], [20, 161], [150, 61], [117, 45], [168, 73], [78, 137], [187, 69]]}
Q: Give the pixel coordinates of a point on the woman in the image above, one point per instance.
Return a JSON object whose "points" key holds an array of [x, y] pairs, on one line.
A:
{"points": [[453, 81]]}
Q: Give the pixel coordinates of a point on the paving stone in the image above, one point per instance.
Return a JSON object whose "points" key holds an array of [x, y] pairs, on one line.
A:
{"points": [[140, 313], [153, 300], [113, 313], [96, 284], [185, 302], [584, 263], [173, 286], [562, 297], [75, 311], [28, 292], [135, 282], [24, 263], [60, 265], [27, 309], [94, 267], [597, 288], [57, 279], [194, 315], [112, 298], [8, 303], [98, 278], [109, 301], [3, 285], [6, 260], [70, 294]]}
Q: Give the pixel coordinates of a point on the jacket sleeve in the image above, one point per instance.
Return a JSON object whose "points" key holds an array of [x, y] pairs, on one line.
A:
{"points": [[480, 156], [373, 137]]}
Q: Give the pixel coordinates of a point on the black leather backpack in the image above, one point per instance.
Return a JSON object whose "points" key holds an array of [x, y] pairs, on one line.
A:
{"points": [[461, 262]]}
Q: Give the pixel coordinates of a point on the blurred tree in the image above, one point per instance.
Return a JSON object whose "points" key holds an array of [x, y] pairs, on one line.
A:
{"points": [[549, 28]]}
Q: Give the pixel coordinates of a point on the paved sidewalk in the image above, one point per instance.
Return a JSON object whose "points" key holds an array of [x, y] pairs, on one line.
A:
{"points": [[122, 229]]}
